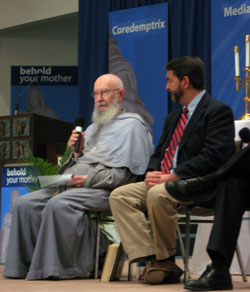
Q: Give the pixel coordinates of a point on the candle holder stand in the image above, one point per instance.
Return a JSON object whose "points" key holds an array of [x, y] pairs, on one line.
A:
{"points": [[239, 84]]}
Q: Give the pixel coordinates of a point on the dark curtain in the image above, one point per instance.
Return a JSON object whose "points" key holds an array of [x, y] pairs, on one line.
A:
{"points": [[189, 34]]}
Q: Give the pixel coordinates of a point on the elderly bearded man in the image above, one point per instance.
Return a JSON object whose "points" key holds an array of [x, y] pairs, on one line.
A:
{"points": [[54, 236]]}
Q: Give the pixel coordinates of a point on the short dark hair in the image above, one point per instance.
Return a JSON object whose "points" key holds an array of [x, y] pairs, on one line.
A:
{"points": [[189, 66]]}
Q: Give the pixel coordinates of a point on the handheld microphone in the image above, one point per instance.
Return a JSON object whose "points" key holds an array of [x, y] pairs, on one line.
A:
{"points": [[78, 123], [244, 134]]}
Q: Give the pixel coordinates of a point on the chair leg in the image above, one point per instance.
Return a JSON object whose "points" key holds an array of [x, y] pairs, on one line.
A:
{"points": [[129, 271], [182, 248], [187, 245], [242, 268], [98, 238]]}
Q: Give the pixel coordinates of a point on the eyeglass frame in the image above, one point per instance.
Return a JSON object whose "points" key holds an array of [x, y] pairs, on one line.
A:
{"points": [[103, 92]]}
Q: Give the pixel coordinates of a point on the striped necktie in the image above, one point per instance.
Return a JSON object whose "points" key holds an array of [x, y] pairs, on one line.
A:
{"points": [[167, 160]]}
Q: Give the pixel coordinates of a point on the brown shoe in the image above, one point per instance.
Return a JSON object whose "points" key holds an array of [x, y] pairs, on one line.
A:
{"points": [[141, 277], [162, 272]]}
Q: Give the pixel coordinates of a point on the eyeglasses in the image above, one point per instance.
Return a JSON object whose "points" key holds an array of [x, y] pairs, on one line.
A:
{"points": [[103, 92]]}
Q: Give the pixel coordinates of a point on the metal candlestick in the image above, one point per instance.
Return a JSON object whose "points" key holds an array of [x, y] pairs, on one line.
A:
{"points": [[244, 82]]}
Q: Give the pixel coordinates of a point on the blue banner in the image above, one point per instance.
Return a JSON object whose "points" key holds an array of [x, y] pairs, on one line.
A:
{"points": [[230, 24], [14, 178], [14, 182], [138, 52], [50, 91]]}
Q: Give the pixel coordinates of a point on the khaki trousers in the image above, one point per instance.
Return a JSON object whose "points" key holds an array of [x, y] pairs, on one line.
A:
{"points": [[142, 236]]}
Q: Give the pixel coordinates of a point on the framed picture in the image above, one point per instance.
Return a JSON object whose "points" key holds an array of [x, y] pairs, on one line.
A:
{"points": [[20, 149], [4, 150], [21, 127], [4, 128]]}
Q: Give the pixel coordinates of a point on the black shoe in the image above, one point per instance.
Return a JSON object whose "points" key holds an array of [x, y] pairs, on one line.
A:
{"points": [[212, 279], [189, 190]]}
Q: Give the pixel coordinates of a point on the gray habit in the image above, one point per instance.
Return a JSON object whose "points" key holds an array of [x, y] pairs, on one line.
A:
{"points": [[53, 235]]}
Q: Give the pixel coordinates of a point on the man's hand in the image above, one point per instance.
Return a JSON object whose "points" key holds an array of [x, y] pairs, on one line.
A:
{"points": [[157, 177], [72, 140], [77, 181]]}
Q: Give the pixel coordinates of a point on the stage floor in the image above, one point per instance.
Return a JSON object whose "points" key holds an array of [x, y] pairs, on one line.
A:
{"points": [[95, 285]]}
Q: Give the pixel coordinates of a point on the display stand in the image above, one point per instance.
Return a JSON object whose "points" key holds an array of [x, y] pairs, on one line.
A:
{"points": [[21, 133]]}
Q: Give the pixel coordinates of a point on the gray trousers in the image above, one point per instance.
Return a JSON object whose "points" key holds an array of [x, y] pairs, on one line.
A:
{"points": [[142, 236], [54, 235]]}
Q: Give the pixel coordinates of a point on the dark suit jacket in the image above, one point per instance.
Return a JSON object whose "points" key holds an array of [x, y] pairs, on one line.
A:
{"points": [[238, 164], [207, 143]]}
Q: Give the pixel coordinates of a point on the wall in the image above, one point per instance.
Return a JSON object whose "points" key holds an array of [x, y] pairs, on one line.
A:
{"points": [[18, 12], [45, 42]]}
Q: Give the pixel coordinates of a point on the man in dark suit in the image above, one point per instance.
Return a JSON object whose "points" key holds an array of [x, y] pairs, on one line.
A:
{"points": [[190, 146], [230, 185]]}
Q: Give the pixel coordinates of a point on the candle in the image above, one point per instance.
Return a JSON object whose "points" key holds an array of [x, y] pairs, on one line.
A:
{"points": [[237, 61], [247, 50]]}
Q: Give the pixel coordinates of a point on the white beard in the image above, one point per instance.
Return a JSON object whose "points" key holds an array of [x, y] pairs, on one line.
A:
{"points": [[103, 117]]}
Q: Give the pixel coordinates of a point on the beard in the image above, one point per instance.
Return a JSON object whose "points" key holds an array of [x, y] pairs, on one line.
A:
{"points": [[177, 95], [104, 117]]}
